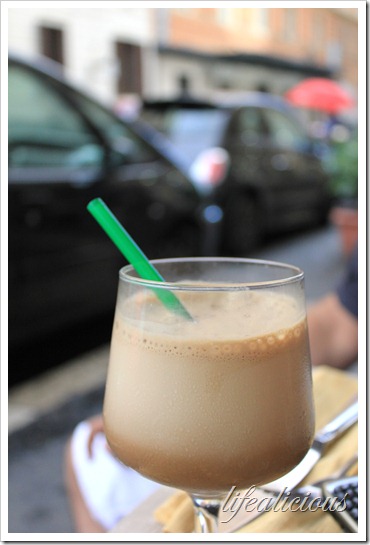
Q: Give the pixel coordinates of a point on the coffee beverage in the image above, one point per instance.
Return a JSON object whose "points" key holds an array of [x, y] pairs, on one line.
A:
{"points": [[224, 399]]}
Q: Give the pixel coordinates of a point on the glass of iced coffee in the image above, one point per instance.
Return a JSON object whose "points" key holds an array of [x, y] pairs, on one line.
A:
{"points": [[220, 396]]}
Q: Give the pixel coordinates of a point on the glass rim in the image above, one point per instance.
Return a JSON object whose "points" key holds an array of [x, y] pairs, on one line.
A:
{"points": [[298, 274]]}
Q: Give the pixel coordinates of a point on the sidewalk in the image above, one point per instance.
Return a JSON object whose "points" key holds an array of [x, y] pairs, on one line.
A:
{"points": [[32, 399]]}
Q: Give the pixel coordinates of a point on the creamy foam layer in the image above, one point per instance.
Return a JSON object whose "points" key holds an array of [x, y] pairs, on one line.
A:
{"points": [[211, 404], [243, 314]]}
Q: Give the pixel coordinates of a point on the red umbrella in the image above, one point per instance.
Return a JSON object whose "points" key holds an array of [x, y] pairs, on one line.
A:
{"points": [[320, 94]]}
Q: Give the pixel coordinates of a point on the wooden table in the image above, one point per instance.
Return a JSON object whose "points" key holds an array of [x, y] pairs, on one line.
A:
{"points": [[164, 512]]}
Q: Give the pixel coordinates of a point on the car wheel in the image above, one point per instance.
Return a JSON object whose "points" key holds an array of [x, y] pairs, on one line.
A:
{"points": [[243, 224]]}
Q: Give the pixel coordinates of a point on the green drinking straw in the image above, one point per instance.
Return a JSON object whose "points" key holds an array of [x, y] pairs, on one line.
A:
{"points": [[134, 255]]}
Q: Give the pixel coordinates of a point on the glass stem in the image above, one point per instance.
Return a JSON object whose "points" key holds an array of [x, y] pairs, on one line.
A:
{"points": [[206, 511]]}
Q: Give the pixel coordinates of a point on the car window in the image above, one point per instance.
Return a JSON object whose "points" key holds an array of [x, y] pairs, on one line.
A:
{"points": [[190, 130], [44, 130], [120, 137], [284, 132], [250, 127]]}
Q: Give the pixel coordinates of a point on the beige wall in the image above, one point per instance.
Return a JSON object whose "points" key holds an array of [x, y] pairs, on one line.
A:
{"points": [[90, 35]]}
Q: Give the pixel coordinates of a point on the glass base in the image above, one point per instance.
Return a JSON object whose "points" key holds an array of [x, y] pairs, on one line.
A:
{"points": [[206, 511]]}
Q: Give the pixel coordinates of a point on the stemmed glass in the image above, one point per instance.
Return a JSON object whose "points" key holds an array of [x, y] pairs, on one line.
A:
{"points": [[220, 396]]}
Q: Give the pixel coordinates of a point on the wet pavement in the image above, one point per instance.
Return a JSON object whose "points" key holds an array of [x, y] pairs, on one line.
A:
{"points": [[44, 411]]}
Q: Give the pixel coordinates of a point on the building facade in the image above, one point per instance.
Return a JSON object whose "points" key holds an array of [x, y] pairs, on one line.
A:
{"points": [[102, 50], [280, 45], [153, 52]]}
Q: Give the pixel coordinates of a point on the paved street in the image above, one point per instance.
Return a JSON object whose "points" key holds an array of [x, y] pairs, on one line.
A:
{"points": [[43, 412]]}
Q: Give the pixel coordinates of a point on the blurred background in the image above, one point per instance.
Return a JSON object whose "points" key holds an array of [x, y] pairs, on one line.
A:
{"points": [[207, 131]]}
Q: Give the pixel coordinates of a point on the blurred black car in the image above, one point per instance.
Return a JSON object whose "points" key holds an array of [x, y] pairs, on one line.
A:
{"points": [[253, 158], [64, 150]]}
